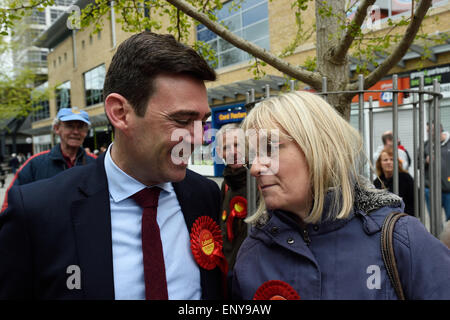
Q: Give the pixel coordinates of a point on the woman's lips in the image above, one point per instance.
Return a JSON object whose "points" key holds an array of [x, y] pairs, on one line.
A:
{"points": [[266, 186]]}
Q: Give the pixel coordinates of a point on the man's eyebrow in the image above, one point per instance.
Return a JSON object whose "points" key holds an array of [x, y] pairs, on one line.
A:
{"points": [[188, 113]]}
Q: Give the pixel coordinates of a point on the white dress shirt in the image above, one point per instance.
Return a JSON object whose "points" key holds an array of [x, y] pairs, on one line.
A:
{"points": [[182, 272]]}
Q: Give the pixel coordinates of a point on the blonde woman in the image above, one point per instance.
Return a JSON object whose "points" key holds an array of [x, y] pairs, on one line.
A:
{"points": [[316, 235]]}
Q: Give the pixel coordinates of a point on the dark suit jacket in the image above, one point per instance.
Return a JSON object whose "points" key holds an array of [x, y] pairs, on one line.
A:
{"points": [[65, 220]]}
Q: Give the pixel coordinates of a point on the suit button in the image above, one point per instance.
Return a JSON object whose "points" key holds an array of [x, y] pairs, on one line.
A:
{"points": [[274, 230], [316, 228], [290, 241]]}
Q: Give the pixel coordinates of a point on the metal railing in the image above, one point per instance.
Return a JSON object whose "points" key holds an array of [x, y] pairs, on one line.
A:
{"points": [[422, 100]]}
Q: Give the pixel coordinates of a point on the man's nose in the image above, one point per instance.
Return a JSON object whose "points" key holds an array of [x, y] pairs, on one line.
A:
{"points": [[195, 135]]}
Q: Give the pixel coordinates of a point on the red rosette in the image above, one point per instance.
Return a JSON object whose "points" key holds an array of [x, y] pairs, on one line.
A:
{"points": [[238, 209], [207, 243], [276, 290]]}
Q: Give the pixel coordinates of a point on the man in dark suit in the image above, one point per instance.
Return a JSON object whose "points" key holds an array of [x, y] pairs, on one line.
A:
{"points": [[125, 226]]}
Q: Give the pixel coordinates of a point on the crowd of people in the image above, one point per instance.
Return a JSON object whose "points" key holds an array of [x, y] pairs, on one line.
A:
{"points": [[135, 223]]}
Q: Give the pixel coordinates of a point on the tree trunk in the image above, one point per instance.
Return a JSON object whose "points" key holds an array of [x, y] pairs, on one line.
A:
{"points": [[328, 35]]}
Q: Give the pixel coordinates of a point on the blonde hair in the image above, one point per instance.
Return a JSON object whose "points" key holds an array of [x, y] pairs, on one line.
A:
{"points": [[332, 147]]}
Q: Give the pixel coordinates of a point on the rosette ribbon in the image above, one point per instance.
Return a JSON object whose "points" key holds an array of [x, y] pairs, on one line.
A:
{"points": [[207, 243], [276, 290], [238, 208]]}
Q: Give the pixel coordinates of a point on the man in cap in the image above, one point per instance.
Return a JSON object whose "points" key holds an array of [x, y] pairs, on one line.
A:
{"points": [[71, 125]]}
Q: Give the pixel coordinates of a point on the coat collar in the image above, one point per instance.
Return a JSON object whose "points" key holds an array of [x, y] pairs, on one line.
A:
{"points": [[368, 199]]}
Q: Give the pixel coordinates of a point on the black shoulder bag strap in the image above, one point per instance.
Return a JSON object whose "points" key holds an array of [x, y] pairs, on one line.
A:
{"points": [[387, 251]]}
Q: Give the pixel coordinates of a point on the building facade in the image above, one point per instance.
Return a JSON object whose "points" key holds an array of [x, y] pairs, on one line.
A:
{"points": [[78, 59]]}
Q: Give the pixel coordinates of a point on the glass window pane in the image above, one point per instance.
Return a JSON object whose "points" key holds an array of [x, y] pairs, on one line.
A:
{"points": [[225, 45], [213, 45], [230, 57], [205, 35], [93, 85], [257, 31], [255, 14], [250, 3], [233, 23], [200, 27], [225, 11], [263, 43]]}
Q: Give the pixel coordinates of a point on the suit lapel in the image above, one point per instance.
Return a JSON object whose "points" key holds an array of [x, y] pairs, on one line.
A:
{"points": [[193, 207], [91, 219]]}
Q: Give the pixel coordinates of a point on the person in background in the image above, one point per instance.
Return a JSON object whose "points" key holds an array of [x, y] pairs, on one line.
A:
{"points": [[233, 190], [72, 126], [445, 170], [385, 172], [14, 163], [388, 141], [103, 148], [316, 233], [21, 158]]}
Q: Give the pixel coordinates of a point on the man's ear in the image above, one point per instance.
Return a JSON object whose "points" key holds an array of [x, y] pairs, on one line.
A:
{"points": [[118, 110], [56, 128]]}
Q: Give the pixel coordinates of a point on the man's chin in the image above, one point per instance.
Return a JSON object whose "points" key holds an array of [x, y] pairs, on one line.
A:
{"points": [[178, 172]]}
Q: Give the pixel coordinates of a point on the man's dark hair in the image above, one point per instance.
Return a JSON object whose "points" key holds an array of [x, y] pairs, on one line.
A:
{"points": [[144, 56], [387, 137]]}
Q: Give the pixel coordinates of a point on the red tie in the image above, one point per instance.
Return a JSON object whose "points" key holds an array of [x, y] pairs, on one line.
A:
{"points": [[154, 269]]}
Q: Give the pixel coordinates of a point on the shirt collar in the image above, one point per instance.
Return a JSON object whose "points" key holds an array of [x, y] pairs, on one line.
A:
{"points": [[121, 185]]}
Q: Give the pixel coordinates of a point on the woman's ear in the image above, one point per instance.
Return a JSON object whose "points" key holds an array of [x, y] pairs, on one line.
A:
{"points": [[117, 109]]}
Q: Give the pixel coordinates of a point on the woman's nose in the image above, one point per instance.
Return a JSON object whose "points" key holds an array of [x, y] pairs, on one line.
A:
{"points": [[257, 168]]}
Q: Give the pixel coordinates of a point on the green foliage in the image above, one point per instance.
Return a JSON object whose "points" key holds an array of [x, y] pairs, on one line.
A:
{"points": [[310, 63], [256, 68], [14, 11], [17, 94]]}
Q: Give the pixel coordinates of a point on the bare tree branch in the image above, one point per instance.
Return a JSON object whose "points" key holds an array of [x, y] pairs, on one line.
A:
{"points": [[400, 50], [311, 78], [342, 48]]}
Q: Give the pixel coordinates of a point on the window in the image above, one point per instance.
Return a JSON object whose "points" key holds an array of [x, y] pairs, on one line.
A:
{"points": [[36, 58], [37, 17], [249, 22], [64, 2], [63, 96], [82, 44], [42, 111], [93, 85], [54, 14]]}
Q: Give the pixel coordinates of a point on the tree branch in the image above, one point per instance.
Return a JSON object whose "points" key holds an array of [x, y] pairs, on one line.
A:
{"points": [[311, 78], [355, 25], [400, 50]]}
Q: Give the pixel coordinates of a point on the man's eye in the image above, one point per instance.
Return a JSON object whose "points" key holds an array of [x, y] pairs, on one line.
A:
{"points": [[182, 122]]}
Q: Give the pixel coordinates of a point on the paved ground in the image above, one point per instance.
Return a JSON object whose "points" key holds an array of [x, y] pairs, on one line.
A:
{"points": [[9, 177]]}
